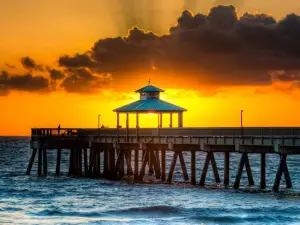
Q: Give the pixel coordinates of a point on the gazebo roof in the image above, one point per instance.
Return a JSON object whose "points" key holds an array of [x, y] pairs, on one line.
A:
{"points": [[149, 88], [150, 105]]}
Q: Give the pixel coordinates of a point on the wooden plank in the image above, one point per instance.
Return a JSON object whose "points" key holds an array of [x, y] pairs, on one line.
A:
{"points": [[31, 160]]}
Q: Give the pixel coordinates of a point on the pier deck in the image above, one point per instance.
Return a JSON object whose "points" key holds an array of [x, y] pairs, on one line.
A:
{"points": [[118, 145]]}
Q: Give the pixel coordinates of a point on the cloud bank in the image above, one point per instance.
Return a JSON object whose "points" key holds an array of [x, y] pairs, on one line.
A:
{"points": [[216, 49]]}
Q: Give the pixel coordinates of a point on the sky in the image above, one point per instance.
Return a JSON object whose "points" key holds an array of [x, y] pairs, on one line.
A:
{"points": [[64, 62]]}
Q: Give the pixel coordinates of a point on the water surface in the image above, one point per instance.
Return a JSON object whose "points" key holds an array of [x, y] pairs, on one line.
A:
{"points": [[64, 200]]}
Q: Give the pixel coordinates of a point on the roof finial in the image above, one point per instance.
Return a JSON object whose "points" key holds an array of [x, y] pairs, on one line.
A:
{"points": [[149, 81]]}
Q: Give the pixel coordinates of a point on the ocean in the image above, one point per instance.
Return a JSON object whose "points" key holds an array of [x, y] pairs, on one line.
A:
{"points": [[66, 200]]}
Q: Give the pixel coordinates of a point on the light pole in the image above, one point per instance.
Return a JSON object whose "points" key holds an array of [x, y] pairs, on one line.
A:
{"points": [[242, 133], [99, 120]]}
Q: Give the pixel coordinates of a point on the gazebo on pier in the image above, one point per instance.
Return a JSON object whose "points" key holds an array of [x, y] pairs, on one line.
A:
{"points": [[150, 102]]}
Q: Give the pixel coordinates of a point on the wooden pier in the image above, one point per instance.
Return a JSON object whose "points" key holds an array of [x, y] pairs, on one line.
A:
{"points": [[120, 146]]}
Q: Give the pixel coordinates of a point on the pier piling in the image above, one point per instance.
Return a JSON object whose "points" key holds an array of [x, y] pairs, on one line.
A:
{"points": [[45, 163], [209, 158], [193, 167], [39, 171], [244, 161], [282, 169], [31, 160], [58, 159], [86, 146]]}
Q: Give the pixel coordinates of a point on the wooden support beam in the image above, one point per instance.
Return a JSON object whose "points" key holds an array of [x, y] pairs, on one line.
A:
{"points": [[244, 161], [75, 161], [85, 162], [215, 168], [204, 170], [91, 161], [263, 170], [79, 161], [58, 159], [144, 163], [183, 167], [163, 165], [31, 160], [136, 164], [158, 169], [226, 168], [45, 163], [121, 166], [39, 171], [150, 163], [119, 169], [71, 158], [193, 167], [282, 168], [97, 163], [155, 164], [173, 163], [249, 172], [112, 161], [128, 162], [210, 158], [105, 162]]}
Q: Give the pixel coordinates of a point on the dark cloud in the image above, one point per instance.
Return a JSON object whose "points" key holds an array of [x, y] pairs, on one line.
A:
{"points": [[55, 74], [10, 66], [83, 81], [76, 61], [29, 64], [216, 49], [26, 82]]}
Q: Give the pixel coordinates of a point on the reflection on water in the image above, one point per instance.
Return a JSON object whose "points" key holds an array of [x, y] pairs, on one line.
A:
{"points": [[64, 200]]}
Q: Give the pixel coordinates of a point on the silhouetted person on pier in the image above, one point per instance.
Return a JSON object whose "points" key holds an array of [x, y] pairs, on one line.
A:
{"points": [[58, 130]]}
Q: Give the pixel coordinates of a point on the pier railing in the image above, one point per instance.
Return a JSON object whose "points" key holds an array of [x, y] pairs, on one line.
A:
{"points": [[232, 131]]}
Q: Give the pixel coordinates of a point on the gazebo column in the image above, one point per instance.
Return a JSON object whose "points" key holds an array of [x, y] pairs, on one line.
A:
{"points": [[118, 124], [137, 125], [180, 119], [160, 120], [127, 126], [171, 120]]}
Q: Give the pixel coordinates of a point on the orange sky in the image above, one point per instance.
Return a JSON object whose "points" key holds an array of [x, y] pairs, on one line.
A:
{"points": [[47, 29]]}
